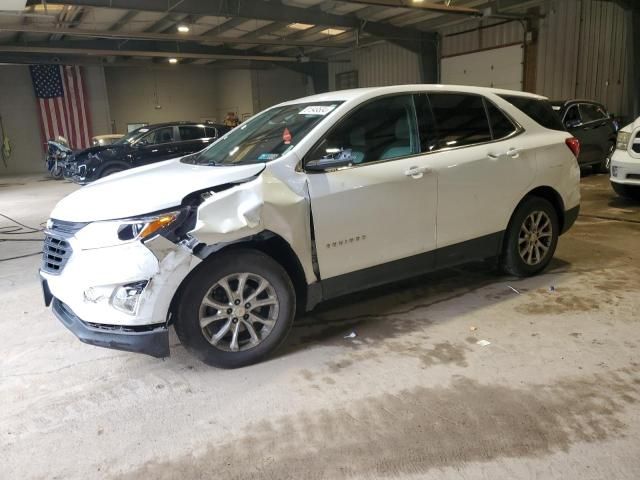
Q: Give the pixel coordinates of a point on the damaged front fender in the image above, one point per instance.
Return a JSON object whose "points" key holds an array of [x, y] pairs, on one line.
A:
{"points": [[266, 203]]}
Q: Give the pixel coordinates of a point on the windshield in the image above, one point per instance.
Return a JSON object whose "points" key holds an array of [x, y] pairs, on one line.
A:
{"points": [[132, 136], [265, 137]]}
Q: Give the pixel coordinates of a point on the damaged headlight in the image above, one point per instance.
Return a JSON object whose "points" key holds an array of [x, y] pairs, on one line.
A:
{"points": [[126, 297], [116, 232], [146, 227]]}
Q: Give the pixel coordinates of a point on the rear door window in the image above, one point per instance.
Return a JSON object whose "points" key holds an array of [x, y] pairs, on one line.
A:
{"points": [[191, 132], [460, 119], [501, 126], [572, 117], [539, 110], [591, 113]]}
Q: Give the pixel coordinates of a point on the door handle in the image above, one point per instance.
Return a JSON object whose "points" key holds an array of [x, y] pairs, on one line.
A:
{"points": [[513, 152], [417, 172]]}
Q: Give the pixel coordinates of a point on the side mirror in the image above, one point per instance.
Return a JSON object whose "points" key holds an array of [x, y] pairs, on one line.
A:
{"points": [[324, 164]]}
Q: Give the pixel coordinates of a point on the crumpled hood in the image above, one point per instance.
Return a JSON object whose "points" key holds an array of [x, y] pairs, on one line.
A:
{"points": [[115, 149], [145, 189]]}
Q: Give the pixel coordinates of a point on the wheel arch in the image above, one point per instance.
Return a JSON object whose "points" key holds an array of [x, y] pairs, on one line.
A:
{"points": [[110, 165], [270, 244], [552, 196]]}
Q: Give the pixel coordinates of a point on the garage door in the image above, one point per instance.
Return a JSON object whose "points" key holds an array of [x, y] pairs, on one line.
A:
{"points": [[498, 67]]}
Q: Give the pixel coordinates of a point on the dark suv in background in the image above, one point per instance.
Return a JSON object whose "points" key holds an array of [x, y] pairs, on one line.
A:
{"points": [[596, 129], [149, 144]]}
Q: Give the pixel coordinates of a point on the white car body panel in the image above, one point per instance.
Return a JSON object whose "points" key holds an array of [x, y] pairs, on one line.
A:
{"points": [[627, 162], [372, 214], [462, 194], [142, 190]]}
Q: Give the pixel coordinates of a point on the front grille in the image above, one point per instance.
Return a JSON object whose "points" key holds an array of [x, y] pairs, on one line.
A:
{"points": [[60, 228], [633, 176], [55, 254], [56, 249]]}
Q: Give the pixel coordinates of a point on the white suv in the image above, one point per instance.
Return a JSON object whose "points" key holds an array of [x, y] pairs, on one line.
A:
{"points": [[309, 200], [625, 163]]}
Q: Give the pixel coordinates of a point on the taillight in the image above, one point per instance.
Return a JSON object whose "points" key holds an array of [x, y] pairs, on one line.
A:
{"points": [[574, 145]]}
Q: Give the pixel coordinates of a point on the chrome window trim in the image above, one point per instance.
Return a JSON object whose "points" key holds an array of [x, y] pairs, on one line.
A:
{"points": [[519, 130]]}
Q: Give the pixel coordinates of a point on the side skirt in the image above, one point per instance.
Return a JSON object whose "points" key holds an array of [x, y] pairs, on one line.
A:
{"points": [[480, 248]]}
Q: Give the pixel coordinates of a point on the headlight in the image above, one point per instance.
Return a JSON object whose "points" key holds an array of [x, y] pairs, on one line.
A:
{"points": [[622, 142], [145, 228], [115, 232]]}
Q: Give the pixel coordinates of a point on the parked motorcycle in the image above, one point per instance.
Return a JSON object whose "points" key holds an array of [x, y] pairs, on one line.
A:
{"points": [[57, 152]]}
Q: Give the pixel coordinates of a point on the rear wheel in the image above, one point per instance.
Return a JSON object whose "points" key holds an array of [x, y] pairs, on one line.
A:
{"points": [[531, 238], [627, 191], [236, 310]]}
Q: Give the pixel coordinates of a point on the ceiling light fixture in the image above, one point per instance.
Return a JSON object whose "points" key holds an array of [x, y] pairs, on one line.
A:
{"points": [[300, 26], [183, 29], [173, 60], [332, 31]]}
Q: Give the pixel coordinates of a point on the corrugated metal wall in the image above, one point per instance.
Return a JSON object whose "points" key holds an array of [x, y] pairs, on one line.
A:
{"points": [[583, 52], [493, 34], [583, 49], [378, 65]]}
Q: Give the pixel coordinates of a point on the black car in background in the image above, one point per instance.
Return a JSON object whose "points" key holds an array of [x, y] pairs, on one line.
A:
{"points": [[596, 129], [149, 144]]}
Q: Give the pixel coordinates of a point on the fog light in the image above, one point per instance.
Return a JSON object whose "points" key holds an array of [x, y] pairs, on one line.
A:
{"points": [[614, 171], [126, 297]]}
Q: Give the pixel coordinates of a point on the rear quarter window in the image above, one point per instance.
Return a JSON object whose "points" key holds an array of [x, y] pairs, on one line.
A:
{"points": [[539, 110]]}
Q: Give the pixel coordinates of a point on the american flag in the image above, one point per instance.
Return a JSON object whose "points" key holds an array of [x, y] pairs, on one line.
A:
{"points": [[62, 100]]}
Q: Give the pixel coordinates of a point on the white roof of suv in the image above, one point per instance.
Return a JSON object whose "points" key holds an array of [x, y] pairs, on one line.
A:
{"points": [[365, 93]]}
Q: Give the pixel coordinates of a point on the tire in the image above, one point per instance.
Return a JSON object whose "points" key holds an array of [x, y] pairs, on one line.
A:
{"points": [[109, 171], [56, 172], [209, 282], [513, 261], [626, 191]]}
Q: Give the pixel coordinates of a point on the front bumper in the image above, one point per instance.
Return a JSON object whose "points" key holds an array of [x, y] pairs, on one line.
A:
{"points": [[625, 169], [81, 292], [151, 340]]}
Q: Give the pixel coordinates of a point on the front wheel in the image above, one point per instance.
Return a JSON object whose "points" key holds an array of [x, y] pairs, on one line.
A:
{"points": [[531, 238], [236, 309]]}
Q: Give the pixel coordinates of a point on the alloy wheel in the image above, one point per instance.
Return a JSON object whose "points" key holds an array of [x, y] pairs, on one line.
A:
{"points": [[535, 237], [238, 312]]}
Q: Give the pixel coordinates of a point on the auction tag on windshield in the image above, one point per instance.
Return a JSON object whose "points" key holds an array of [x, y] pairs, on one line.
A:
{"points": [[317, 109]]}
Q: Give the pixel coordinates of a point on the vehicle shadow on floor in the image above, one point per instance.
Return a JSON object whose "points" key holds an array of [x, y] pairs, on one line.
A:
{"points": [[393, 310]]}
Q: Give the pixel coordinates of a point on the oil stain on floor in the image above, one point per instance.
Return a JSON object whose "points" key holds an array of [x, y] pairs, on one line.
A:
{"points": [[413, 431]]}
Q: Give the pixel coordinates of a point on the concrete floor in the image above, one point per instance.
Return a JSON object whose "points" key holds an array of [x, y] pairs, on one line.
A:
{"points": [[556, 394]]}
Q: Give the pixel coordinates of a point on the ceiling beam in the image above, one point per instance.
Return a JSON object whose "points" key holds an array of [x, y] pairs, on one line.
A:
{"points": [[177, 37], [260, 10], [428, 6], [53, 51], [39, 58], [123, 20]]}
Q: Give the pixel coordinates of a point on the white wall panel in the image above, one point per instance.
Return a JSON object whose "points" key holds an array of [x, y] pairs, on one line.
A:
{"points": [[498, 67]]}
